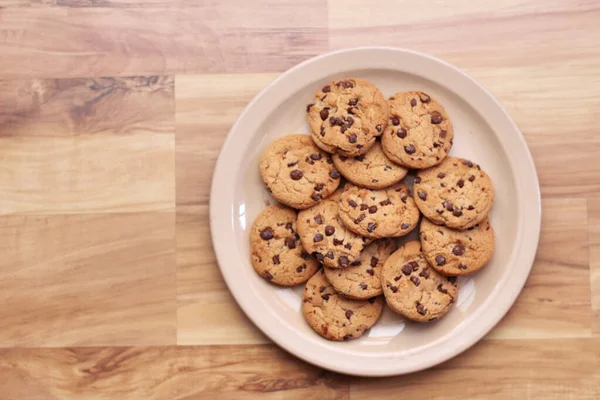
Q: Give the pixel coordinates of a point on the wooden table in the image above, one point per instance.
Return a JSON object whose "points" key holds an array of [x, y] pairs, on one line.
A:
{"points": [[112, 114]]}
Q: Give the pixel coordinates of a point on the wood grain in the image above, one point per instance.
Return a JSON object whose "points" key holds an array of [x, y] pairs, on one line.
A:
{"points": [[87, 280], [594, 225]]}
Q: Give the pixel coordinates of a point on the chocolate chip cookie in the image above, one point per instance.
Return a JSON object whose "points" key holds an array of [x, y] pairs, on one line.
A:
{"points": [[389, 212], [455, 193], [322, 233], [413, 289], [419, 133], [297, 173], [346, 116], [277, 254], [362, 279], [336, 317], [453, 252], [372, 170]]}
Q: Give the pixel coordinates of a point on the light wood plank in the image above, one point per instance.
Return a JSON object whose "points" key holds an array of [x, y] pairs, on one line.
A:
{"points": [[555, 301], [594, 225], [560, 369], [169, 373], [206, 312], [88, 280], [212, 36]]}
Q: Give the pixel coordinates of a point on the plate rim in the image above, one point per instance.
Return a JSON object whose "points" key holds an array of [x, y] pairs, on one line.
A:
{"points": [[218, 214]]}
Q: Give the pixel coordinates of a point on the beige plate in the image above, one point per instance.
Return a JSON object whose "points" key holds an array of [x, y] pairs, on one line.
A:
{"points": [[484, 132]]}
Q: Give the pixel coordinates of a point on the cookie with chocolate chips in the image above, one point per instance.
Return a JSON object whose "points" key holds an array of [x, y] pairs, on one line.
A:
{"points": [[453, 252], [362, 279], [371, 213], [276, 251], [413, 289], [372, 170], [334, 316], [297, 173], [419, 133], [323, 234], [456, 193], [347, 115]]}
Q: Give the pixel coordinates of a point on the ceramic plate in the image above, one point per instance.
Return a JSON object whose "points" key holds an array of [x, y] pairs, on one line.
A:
{"points": [[484, 132]]}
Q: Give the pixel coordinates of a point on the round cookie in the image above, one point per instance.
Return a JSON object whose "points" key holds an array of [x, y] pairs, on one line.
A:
{"points": [[453, 252], [455, 193], [334, 316], [363, 281], [347, 115], [277, 254], [413, 289], [419, 133], [323, 234], [297, 173], [372, 170], [389, 212]]}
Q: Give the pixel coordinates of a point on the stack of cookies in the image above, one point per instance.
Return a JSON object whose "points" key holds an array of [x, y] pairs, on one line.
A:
{"points": [[340, 236]]}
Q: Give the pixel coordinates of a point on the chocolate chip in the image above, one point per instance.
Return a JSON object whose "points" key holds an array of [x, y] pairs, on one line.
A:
{"points": [[448, 206], [348, 246], [322, 130], [379, 128], [300, 268], [457, 212], [467, 163], [326, 89], [322, 289], [347, 337], [352, 138], [417, 179], [424, 97], [317, 238], [452, 279], [319, 187], [442, 289], [296, 174], [406, 269], [268, 275], [471, 178], [439, 211], [315, 196], [415, 280], [413, 102], [436, 118], [334, 174], [395, 121], [443, 133], [338, 242], [276, 259], [422, 195], [374, 261], [349, 313], [401, 133], [371, 272], [363, 286], [360, 158], [359, 146], [347, 84], [353, 102], [397, 278], [363, 207], [371, 227], [308, 107], [326, 296], [393, 289], [410, 149], [458, 250], [470, 207], [355, 263], [404, 226], [403, 198], [290, 242], [330, 255], [343, 261], [352, 203], [351, 110], [460, 183], [359, 219], [315, 156], [372, 209], [462, 266], [324, 114], [425, 273], [305, 255], [319, 256], [329, 230], [318, 219], [421, 309], [440, 260], [385, 202], [289, 226], [441, 175], [292, 163], [267, 233]]}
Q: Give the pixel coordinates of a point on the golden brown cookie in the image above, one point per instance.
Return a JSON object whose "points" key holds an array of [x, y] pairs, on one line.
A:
{"points": [[277, 254], [371, 170], [379, 213], [453, 252], [347, 115], [363, 280], [336, 317], [413, 289], [323, 234], [455, 193], [419, 132], [297, 173]]}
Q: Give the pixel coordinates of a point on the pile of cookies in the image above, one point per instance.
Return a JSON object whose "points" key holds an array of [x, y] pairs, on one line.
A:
{"points": [[340, 236]]}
